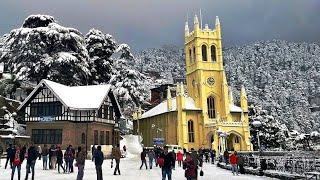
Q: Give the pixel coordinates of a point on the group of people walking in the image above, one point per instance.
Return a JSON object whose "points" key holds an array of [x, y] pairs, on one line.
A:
{"points": [[52, 157], [190, 161]]}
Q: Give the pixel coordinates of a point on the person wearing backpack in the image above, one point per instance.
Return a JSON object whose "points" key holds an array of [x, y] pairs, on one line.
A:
{"points": [[17, 161], [167, 164]]}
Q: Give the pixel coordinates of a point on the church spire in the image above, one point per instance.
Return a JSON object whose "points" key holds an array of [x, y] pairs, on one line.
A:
{"points": [[217, 21], [186, 29], [243, 99], [195, 23]]}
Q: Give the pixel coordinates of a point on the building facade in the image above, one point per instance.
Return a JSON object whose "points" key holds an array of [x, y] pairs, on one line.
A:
{"points": [[78, 115], [206, 117]]}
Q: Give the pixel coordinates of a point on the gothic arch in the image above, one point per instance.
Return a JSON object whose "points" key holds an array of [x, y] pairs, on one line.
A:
{"points": [[204, 52], [212, 106], [213, 52]]}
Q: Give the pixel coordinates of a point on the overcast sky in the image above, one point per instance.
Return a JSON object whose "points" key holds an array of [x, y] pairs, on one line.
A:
{"points": [[152, 23]]}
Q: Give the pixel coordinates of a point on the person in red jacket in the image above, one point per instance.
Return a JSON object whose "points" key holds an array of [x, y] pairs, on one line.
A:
{"points": [[179, 158], [234, 162]]}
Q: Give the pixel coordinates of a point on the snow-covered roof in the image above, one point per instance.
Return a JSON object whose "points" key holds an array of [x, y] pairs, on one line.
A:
{"points": [[234, 108], [75, 97], [163, 107]]}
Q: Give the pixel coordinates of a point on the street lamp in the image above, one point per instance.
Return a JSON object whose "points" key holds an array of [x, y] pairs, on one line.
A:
{"points": [[257, 124]]}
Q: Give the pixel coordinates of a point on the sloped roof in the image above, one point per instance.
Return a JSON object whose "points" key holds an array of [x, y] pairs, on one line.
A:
{"points": [[163, 107], [234, 108], [75, 97]]}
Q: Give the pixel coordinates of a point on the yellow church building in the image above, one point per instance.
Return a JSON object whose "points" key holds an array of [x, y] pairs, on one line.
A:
{"points": [[206, 115]]}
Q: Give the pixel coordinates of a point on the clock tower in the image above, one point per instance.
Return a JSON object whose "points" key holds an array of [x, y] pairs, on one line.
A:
{"points": [[206, 79]]}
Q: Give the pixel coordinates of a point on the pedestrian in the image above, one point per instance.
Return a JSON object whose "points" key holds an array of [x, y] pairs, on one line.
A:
{"points": [[174, 158], [39, 152], [206, 154], [1, 152], [71, 158], [213, 155], [98, 161], [197, 161], [44, 155], [143, 158], [10, 154], [151, 157], [234, 163], [241, 164], [168, 163], [189, 167], [60, 159], [31, 160], [17, 161], [226, 156], [50, 155], [179, 158], [93, 150], [53, 157], [116, 154], [80, 161]]}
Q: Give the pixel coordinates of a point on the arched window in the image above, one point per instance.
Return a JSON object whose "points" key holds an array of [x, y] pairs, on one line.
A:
{"points": [[190, 54], [83, 138], [213, 53], [194, 54], [211, 107], [204, 53], [190, 131]]}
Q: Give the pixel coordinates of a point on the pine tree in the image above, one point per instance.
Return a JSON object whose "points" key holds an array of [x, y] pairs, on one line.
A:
{"points": [[272, 133], [100, 47], [42, 49]]}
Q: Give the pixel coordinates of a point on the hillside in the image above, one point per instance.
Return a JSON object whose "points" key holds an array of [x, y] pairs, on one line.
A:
{"points": [[282, 77]]}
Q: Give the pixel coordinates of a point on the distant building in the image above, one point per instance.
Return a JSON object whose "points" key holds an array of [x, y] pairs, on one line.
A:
{"points": [[77, 115], [159, 94], [206, 117]]}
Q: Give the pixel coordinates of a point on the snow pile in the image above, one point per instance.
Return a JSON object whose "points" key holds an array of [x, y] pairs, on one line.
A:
{"points": [[133, 144]]}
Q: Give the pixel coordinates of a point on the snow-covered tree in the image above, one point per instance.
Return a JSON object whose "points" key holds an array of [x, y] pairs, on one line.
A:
{"points": [[41, 48], [272, 133], [8, 86], [131, 87], [100, 47]]}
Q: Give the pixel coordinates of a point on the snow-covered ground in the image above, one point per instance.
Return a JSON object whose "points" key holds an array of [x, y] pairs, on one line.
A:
{"points": [[129, 169]]}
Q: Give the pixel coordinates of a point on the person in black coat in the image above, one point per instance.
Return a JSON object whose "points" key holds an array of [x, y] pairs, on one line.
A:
{"points": [[168, 163], [10, 155], [98, 161], [60, 159], [31, 160]]}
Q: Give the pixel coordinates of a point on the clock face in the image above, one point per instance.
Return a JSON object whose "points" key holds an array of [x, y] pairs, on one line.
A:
{"points": [[210, 81]]}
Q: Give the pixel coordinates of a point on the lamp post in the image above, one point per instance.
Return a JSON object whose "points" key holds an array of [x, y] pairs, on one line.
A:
{"points": [[257, 124]]}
